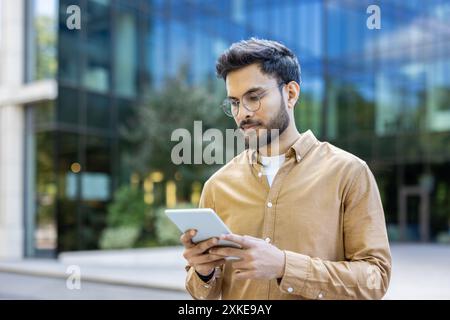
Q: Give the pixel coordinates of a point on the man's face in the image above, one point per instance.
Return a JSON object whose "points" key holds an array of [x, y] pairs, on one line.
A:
{"points": [[273, 112]]}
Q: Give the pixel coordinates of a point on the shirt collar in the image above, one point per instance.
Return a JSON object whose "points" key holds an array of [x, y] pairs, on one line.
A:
{"points": [[303, 145], [299, 149]]}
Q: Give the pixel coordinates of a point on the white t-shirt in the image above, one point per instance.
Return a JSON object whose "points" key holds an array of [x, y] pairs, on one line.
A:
{"points": [[271, 166]]}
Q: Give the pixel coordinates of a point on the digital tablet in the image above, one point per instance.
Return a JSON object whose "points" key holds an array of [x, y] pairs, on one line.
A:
{"points": [[207, 223]]}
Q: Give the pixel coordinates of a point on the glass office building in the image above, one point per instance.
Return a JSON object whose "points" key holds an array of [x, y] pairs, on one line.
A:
{"points": [[382, 94]]}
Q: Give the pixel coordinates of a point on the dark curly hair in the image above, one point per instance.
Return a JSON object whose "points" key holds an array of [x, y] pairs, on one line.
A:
{"points": [[273, 58]]}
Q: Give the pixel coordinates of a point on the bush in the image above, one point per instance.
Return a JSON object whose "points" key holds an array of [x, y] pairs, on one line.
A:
{"points": [[128, 208], [443, 237], [119, 237], [167, 233], [127, 218], [131, 223]]}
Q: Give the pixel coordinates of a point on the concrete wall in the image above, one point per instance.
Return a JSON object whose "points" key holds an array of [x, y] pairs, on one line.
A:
{"points": [[11, 130]]}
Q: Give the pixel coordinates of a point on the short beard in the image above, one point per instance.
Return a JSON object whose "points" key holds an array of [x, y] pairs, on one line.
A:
{"points": [[277, 125]]}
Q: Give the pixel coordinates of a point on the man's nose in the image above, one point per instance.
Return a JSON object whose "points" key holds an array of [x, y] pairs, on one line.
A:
{"points": [[244, 113]]}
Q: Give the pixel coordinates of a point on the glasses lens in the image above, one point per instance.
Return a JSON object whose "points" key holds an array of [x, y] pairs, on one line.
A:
{"points": [[251, 101], [228, 108]]}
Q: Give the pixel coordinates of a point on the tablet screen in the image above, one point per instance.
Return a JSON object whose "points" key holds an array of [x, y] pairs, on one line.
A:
{"points": [[207, 223]]}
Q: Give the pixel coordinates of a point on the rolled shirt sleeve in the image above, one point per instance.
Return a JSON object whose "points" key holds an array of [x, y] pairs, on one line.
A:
{"points": [[365, 274], [201, 290]]}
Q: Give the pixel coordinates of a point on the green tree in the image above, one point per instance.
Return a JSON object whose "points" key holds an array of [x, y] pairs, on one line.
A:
{"points": [[45, 47], [175, 106], [147, 133]]}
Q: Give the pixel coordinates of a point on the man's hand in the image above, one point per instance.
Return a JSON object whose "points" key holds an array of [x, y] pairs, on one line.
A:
{"points": [[258, 259], [197, 254]]}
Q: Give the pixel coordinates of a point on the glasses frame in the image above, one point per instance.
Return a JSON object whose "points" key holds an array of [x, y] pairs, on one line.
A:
{"points": [[227, 103]]}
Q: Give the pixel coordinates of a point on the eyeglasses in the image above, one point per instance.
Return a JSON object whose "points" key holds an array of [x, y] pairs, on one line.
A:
{"points": [[251, 101]]}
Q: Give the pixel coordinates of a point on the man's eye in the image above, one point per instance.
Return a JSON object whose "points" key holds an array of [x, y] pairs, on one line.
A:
{"points": [[234, 103], [253, 97]]}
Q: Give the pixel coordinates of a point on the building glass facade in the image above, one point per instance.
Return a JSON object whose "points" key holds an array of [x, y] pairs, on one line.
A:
{"points": [[383, 95]]}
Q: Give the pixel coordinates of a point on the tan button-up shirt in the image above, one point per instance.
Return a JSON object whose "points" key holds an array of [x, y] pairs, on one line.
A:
{"points": [[323, 210]]}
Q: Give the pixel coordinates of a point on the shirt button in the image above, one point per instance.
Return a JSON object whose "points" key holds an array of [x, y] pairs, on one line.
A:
{"points": [[290, 290], [207, 286], [267, 240], [320, 296], [299, 158], [260, 174], [269, 204]]}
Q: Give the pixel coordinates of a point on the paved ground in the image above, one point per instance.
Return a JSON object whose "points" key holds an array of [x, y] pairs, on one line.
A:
{"points": [[18, 287], [419, 272], [160, 268]]}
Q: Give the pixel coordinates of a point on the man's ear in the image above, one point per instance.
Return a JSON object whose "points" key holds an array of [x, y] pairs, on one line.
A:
{"points": [[293, 93]]}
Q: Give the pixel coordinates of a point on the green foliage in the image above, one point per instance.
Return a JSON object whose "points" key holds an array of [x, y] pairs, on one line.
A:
{"points": [[119, 237], [128, 219], [175, 106], [443, 237], [166, 232], [147, 133], [128, 208], [131, 223], [46, 33]]}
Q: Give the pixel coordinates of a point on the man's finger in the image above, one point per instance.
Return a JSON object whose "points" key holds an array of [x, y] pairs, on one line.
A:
{"points": [[205, 245], [205, 258], [227, 252], [244, 241], [186, 238]]}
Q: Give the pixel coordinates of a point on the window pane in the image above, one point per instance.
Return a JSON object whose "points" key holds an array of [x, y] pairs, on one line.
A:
{"points": [[43, 113], [96, 71], [98, 112], [68, 105], [96, 190], [69, 48], [125, 111], [45, 221], [68, 183], [42, 53], [125, 61]]}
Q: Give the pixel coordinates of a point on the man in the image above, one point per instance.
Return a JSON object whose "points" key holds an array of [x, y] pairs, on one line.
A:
{"points": [[307, 214]]}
